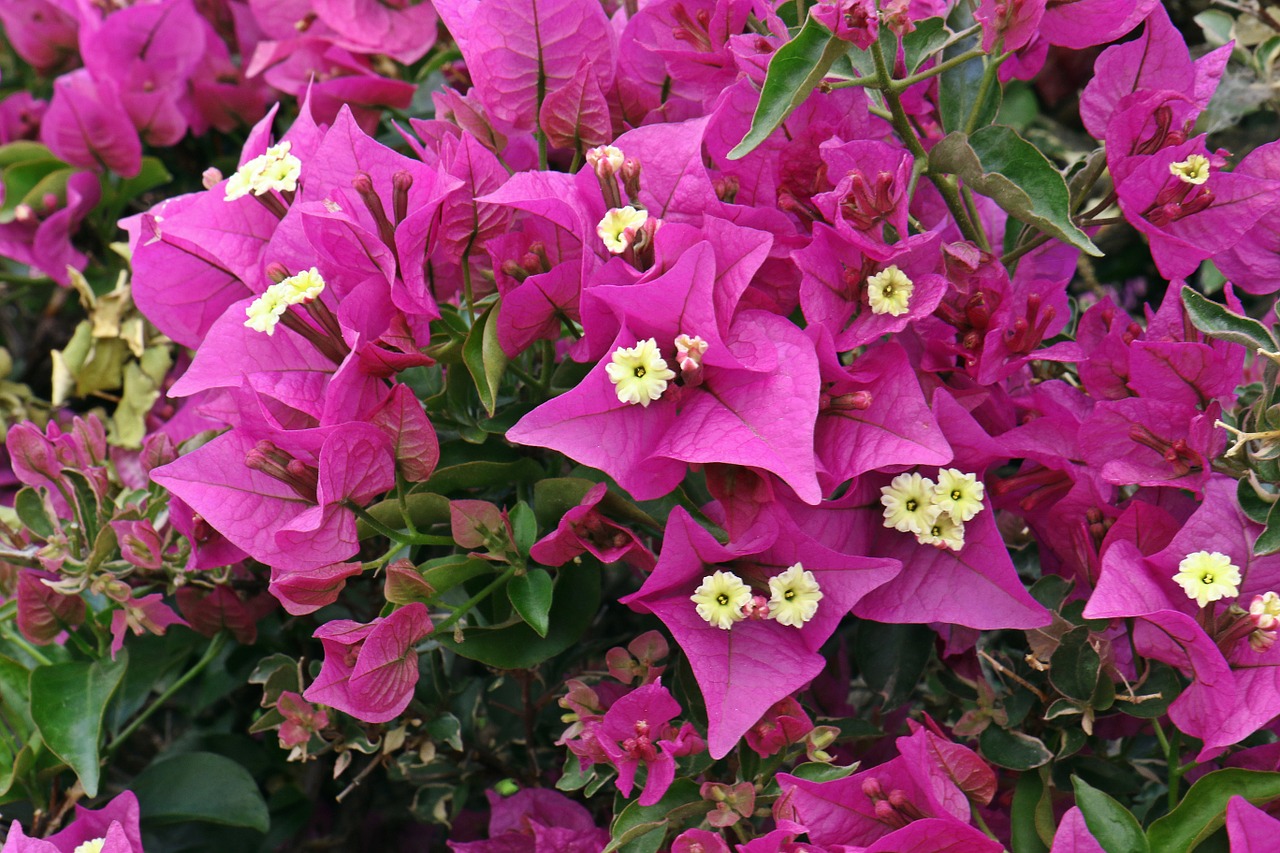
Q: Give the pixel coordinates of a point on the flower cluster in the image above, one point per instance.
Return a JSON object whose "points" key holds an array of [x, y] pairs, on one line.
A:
{"points": [[661, 317]]}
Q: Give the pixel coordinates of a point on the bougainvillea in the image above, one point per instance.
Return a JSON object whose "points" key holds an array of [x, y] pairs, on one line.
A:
{"points": [[658, 425]]}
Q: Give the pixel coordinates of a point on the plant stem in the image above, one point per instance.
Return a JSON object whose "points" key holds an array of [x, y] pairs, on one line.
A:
{"points": [[21, 642], [396, 535], [898, 116], [215, 646], [462, 609]]}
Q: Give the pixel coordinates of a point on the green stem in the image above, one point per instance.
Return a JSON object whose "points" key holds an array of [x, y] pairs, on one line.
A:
{"points": [[21, 642], [947, 187], [972, 207], [396, 535], [215, 646], [979, 822], [464, 608], [988, 78], [466, 285], [912, 79]]}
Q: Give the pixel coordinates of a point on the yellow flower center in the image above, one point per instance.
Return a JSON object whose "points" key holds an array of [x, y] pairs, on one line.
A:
{"points": [[1207, 576], [613, 228], [639, 373], [794, 596], [1193, 170], [889, 292]]}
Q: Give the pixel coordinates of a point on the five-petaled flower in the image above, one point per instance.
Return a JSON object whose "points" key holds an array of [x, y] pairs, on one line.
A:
{"points": [[720, 599], [908, 504], [889, 291], [794, 596], [1208, 576], [640, 373], [619, 227]]}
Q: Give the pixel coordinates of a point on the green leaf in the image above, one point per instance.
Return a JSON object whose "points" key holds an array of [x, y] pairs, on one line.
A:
{"points": [[478, 475], [1073, 668], [1000, 164], [1028, 795], [642, 829], [515, 645], [524, 527], [1204, 807], [151, 175], [1051, 591], [21, 178], [892, 658], [30, 509], [796, 68], [86, 503], [201, 786], [817, 771], [1218, 322], [530, 595], [54, 184], [960, 87], [447, 572], [68, 701], [1114, 827], [1013, 750], [1255, 507], [1162, 680], [555, 496], [425, 510], [485, 359], [919, 44], [1268, 541], [22, 151]]}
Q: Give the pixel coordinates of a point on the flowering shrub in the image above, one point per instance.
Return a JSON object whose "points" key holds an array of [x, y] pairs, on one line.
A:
{"points": [[683, 425]]}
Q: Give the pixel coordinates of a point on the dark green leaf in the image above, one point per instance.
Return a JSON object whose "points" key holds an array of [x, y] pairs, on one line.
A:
{"points": [[960, 87], [1000, 164], [15, 704], [1014, 750], [1163, 681], [1114, 827], [1204, 807], [1073, 668], [476, 475], [893, 657], [1027, 796], [1051, 591], [1218, 322], [530, 595], [30, 509], [796, 68], [86, 503], [641, 829], [446, 728], [200, 786], [1268, 541], [67, 704], [575, 598], [485, 359], [919, 44], [447, 572], [524, 527], [425, 510], [151, 175], [54, 184], [817, 771], [1254, 507]]}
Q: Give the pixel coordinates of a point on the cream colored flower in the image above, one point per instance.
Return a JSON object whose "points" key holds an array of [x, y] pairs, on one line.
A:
{"points": [[945, 532], [1193, 170], [958, 494], [889, 291], [908, 503], [612, 229], [720, 599], [640, 373], [794, 596], [1208, 576]]}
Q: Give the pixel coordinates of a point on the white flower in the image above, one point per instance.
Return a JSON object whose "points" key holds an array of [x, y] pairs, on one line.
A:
{"points": [[958, 494], [889, 291], [640, 373], [908, 503], [1208, 576], [945, 532], [720, 599], [1194, 170], [612, 229], [794, 596]]}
